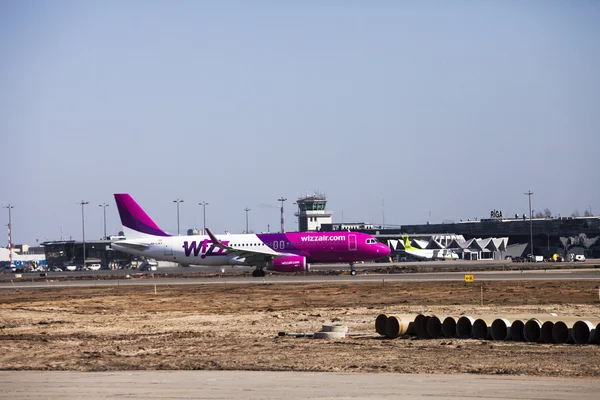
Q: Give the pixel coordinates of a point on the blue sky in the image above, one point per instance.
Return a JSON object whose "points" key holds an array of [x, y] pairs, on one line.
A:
{"points": [[453, 108]]}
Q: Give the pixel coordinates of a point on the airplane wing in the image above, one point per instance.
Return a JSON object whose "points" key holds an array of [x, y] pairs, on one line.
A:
{"points": [[264, 253]]}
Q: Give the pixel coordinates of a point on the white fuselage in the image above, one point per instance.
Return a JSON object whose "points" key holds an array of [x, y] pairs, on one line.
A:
{"points": [[193, 250]]}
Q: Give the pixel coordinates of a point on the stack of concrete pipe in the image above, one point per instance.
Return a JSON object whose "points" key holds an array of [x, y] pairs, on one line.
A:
{"points": [[536, 328]]}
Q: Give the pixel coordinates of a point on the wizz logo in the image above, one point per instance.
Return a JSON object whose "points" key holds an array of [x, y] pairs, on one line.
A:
{"points": [[205, 248]]}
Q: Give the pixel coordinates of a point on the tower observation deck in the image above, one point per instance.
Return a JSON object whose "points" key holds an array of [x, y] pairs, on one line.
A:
{"points": [[311, 212]]}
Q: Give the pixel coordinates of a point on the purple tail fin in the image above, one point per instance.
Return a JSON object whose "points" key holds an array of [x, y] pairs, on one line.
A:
{"points": [[135, 220]]}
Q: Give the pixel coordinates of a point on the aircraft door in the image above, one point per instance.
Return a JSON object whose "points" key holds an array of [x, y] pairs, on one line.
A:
{"points": [[168, 250], [352, 242]]}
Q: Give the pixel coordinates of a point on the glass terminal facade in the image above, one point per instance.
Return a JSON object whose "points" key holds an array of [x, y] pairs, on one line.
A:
{"points": [[69, 252]]}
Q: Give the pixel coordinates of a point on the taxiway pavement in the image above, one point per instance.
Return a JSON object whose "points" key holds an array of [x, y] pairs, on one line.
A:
{"points": [[63, 385]]}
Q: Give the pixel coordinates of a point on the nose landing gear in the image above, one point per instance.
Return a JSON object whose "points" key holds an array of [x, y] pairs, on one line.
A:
{"points": [[352, 270]]}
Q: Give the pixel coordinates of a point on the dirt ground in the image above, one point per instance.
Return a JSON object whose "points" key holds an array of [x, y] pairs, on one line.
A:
{"points": [[235, 327]]}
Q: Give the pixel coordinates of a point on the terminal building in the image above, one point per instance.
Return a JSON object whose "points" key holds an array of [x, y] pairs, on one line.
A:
{"points": [[64, 253], [562, 235]]}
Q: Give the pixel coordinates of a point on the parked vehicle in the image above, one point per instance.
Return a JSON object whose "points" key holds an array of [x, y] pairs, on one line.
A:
{"points": [[576, 257], [533, 258]]}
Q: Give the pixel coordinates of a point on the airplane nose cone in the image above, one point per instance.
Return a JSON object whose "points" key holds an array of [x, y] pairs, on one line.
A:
{"points": [[383, 250]]}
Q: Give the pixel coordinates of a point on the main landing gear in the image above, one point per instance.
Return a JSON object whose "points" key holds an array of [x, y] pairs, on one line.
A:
{"points": [[258, 273], [352, 270]]}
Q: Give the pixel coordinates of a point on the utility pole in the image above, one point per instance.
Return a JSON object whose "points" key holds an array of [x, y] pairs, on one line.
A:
{"points": [[529, 193], [178, 201], [104, 205], [246, 209], [282, 199], [9, 234], [203, 204], [83, 203]]}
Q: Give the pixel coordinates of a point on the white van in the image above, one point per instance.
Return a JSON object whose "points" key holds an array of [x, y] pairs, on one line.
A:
{"points": [[94, 267]]}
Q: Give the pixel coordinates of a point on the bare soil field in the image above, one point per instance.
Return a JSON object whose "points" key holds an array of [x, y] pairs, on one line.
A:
{"points": [[235, 327]]}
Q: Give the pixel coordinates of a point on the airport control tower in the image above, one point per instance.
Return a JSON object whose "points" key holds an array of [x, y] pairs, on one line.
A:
{"points": [[311, 212]]}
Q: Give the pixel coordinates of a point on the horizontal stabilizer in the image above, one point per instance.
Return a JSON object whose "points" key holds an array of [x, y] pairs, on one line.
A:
{"points": [[132, 245]]}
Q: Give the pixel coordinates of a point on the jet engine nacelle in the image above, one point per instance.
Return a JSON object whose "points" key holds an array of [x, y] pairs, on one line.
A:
{"points": [[288, 264]]}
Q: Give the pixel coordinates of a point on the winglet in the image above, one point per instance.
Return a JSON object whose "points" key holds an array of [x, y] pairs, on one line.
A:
{"points": [[216, 241]]}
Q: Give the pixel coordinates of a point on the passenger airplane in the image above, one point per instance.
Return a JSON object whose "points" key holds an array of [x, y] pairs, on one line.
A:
{"points": [[281, 252], [428, 254]]}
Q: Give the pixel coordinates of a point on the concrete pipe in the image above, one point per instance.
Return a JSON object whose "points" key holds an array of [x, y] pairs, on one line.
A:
{"points": [[334, 328], [482, 329], [449, 327], [584, 332], [464, 327], [516, 330], [421, 328], [532, 330], [434, 326], [398, 325], [482, 326], [380, 323], [329, 335], [546, 332], [417, 323], [556, 318], [561, 332], [548, 322], [500, 329]]}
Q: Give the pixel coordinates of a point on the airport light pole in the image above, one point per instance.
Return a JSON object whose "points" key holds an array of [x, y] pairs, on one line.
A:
{"points": [[529, 193], [104, 205], [178, 201], [298, 214], [246, 209], [9, 233], [282, 199], [203, 204], [83, 203]]}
